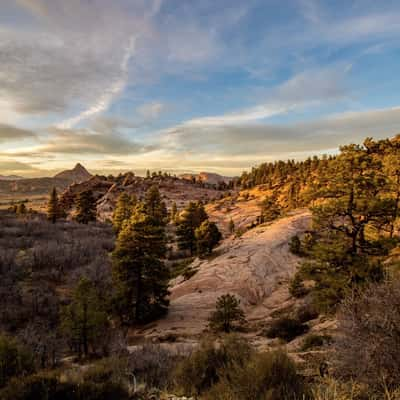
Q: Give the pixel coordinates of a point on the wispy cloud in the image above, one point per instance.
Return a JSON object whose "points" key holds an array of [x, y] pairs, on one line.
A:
{"points": [[109, 95]]}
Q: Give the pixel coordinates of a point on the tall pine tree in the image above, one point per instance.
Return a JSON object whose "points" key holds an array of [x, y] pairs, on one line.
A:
{"points": [[123, 210], [53, 207], [139, 274], [187, 223]]}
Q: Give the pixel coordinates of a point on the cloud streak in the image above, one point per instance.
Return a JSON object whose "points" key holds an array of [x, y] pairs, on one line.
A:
{"points": [[105, 100]]}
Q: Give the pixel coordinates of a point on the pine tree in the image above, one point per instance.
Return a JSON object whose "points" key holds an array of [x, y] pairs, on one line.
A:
{"points": [[53, 207], [174, 211], [85, 207], [123, 211], [227, 315], [270, 209], [207, 237], [139, 274], [231, 226], [189, 220], [84, 321], [155, 208]]}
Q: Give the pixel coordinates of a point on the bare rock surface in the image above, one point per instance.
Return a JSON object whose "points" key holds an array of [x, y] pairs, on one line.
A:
{"points": [[256, 267]]}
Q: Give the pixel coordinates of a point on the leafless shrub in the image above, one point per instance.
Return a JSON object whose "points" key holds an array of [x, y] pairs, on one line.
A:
{"points": [[368, 348]]}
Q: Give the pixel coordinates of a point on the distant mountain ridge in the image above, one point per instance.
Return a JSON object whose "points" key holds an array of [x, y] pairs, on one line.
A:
{"points": [[10, 177], [42, 186], [78, 174]]}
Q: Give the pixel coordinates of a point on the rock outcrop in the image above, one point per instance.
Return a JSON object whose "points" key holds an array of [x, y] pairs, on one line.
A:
{"points": [[256, 267]]}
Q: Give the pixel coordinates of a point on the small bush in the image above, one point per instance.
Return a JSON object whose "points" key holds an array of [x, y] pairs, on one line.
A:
{"points": [[153, 365], [203, 369], [286, 328], [269, 376], [368, 347], [48, 386], [295, 245]]}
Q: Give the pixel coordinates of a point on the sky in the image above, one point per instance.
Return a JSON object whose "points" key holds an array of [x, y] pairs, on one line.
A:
{"points": [[190, 85]]}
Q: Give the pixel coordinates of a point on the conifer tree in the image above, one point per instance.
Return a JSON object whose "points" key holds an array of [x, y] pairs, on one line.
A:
{"points": [[188, 221], [140, 276], [270, 209], [123, 211], [174, 211], [231, 226], [84, 321], [53, 208], [227, 315], [155, 208], [85, 207], [207, 237]]}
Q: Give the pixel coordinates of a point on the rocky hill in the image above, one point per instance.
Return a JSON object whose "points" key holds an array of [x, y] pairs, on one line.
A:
{"points": [[256, 267], [42, 186], [208, 177], [106, 191], [78, 174]]}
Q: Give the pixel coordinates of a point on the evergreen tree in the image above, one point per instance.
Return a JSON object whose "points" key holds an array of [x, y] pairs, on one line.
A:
{"points": [[188, 221], [270, 209], [174, 211], [85, 207], [227, 315], [231, 226], [155, 208], [349, 221], [139, 274], [53, 208], [84, 321], [123, 211], [207, 237]]}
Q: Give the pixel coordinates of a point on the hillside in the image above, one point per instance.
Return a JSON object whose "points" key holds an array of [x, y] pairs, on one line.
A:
{"points": [[106, 190], [256, 267], [41, 186]]}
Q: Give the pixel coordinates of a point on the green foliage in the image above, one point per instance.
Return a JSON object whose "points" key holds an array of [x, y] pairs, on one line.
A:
{"points": [[233, 371], [139, 274], [84, 321], [286, 328], [207, 236], [267, 376], [203, 368], [15, 360], [188, 221], [228, 315], [123, 210], [85, 207], [154, 207]]}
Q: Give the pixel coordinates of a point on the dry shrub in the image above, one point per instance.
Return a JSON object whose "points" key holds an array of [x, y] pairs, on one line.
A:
{"points": [[368, 347]]}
